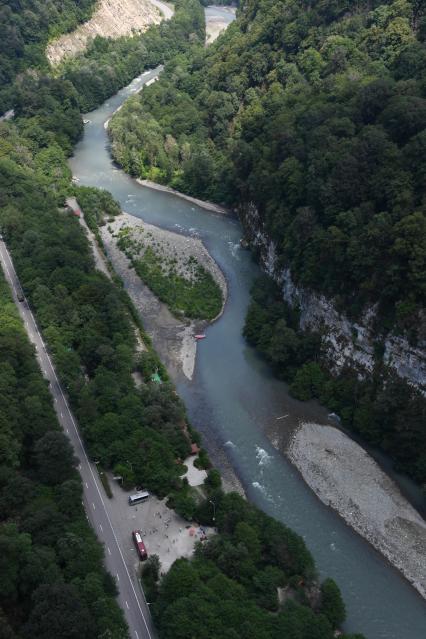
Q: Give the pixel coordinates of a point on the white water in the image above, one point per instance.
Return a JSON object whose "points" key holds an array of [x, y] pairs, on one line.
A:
{"points": [[234, 397]]}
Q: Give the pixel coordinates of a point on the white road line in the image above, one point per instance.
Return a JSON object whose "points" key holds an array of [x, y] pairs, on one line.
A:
{"points": [[94, 507], [136, 633], [109, 552], [100, 526], [86, 484], [95, 482], [118, 577], [127, 605]]}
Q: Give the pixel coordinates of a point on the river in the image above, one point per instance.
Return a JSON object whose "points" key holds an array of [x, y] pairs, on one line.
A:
{"points": [[234, 400]]}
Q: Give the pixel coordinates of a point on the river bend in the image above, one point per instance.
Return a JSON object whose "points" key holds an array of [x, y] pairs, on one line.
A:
{"points": [[233, 400]]}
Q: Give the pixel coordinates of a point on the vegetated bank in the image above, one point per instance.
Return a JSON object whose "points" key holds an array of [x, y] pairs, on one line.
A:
{"points": [[384, 409], [51, 565], [26, 27], [166, 303], [111, 19], [170, 265], [139, 432], [311, 122], [109, 64]]}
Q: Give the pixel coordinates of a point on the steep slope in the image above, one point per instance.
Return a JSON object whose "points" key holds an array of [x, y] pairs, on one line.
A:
{"points": [[25, 27], [317, 117], [310, 119], [112, 18]]}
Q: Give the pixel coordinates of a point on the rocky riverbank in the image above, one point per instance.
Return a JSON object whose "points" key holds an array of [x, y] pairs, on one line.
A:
{"points": [[217, 20], [172, 338], [348, 480], [204, 204]]}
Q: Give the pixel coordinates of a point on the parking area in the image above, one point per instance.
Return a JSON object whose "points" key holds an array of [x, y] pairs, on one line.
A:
{"points": [[164, 532]]}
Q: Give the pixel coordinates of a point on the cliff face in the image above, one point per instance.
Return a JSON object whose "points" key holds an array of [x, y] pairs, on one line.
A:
{"points": [[345, 342], [111, 19]]}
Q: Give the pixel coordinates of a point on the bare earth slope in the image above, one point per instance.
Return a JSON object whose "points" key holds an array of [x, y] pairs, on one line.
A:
{"points": [[112, 18], [346, 478]]}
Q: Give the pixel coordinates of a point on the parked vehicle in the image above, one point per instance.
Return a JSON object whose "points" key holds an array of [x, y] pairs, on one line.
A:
{"points": [[140, 546], [137, 498]]}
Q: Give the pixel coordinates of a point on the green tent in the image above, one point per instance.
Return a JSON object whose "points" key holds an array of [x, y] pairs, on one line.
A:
{"points": [[156, 378]]}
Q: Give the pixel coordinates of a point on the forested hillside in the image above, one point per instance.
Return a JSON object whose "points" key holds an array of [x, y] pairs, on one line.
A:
{"points": [[51, 573], [109, 64], [317, 115], [230, 588], [384, 409], [51, 579], [314, 115], [25, 27], [85, 318], [106, 66]]}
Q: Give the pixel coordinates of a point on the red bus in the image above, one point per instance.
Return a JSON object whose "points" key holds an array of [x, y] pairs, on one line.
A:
{"points": [[140, 546]]}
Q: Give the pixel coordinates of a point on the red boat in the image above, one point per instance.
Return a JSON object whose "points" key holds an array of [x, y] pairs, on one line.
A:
{"points": [[200, 336]]}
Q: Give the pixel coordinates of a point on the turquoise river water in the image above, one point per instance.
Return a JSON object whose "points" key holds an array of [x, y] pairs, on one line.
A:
{"points": [[233, 400]]}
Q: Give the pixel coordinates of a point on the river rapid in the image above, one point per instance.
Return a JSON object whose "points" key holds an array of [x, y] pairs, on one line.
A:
{"points": [[233, 400]]}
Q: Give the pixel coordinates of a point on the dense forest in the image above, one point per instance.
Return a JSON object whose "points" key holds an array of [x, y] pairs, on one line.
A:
{"points": [[87, 322], [51, 573], [387, 411], [253, 580], [25, 28], [109, 64], [316, 114], [52, 580]]}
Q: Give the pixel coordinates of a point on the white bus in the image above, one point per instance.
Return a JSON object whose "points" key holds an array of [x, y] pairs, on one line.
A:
{"points": [[138, 497]]}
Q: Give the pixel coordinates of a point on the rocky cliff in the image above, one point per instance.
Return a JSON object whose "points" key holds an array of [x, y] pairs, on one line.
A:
{"points": [[112, 18], [345, 342]]}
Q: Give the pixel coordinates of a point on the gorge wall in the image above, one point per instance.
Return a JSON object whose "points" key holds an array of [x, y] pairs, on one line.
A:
{"points": [[345, 342], [111, 19]]}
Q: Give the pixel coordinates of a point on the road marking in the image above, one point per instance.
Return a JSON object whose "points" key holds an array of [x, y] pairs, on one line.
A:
{"points": [[62, 414], [94, 507], [86, 484], [85, 457], [66, 430], [109, 552], [100, 526], [136, 633], [118, 578], [127, 605]]}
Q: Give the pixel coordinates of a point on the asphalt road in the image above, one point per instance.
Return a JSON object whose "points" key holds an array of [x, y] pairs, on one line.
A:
{"points": [[131, 597]]}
